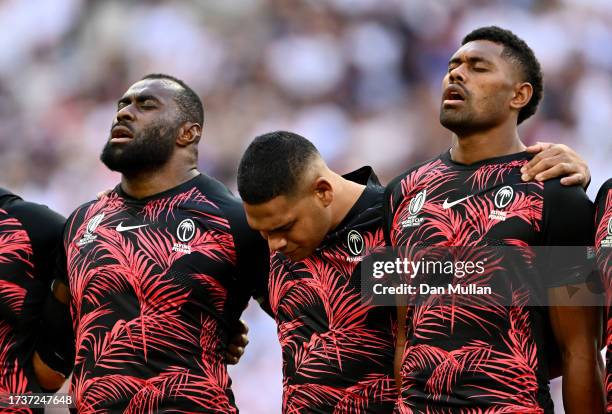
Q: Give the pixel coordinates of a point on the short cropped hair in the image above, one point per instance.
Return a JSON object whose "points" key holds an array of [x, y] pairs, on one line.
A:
{"points": [[273, 165], [189, 103], [518, 51]]}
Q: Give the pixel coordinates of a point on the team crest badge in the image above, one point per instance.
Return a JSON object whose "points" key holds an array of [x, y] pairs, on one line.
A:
{"points": [[355, 242], [502, 199], [185, 231]]}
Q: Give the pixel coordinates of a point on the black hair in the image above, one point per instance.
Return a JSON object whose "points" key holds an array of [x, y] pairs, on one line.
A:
{"points": [[273, 165], [189, 103], [517, 50]]}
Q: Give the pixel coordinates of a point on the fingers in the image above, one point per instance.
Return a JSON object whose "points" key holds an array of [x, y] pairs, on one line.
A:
{"points": [[237, 344], [538, 147], [242, 327], [575, 179], [554, 171], [541, 162], [557, 160], [233, 354], [240, 340], [102, 194], [532, 167]]}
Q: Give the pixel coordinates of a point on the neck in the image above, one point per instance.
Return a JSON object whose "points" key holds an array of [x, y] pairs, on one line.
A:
{"points": [[146, 184], [346, 195], [495, 142]]}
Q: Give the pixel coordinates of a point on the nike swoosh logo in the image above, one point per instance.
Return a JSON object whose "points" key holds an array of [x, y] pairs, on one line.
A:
{"points": [[448, 205], [121, 227]]}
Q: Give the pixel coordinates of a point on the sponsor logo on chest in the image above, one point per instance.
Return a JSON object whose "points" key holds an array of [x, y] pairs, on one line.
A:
{"points": [[185, 231]]}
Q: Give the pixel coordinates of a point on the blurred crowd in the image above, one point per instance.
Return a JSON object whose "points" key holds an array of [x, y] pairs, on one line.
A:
{"points": [[361, 78]]}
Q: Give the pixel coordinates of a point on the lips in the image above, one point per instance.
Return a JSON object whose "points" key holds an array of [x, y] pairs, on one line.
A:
{"points": [[121, 132], [454, 94]]}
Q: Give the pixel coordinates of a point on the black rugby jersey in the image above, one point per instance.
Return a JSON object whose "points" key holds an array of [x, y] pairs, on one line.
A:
{"points": [[30, 235], [483, 356], [603, 244], [337, 351], [157, 285]]}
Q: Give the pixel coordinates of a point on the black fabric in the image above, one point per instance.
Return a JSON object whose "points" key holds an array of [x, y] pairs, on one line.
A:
{"points": [[567, 221], [56, 339], [445, 203], [330, 339], [30, 235], [157, 286], [603, 246]]}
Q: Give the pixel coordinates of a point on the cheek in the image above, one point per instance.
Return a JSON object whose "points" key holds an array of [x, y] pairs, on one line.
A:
{"points": [[309, 233], [491, 98]]}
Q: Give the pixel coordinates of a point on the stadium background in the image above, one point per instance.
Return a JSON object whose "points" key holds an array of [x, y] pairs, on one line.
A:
{"points": [[361, 78]]}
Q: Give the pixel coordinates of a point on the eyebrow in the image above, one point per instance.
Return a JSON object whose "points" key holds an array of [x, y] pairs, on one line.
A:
{"points": [[282, 227], [139, 98], [472, 60]]}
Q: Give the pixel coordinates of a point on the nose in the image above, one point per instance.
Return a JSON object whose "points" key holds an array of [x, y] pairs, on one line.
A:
{"points": [[456, 74], [125, 113], [276, 243]]}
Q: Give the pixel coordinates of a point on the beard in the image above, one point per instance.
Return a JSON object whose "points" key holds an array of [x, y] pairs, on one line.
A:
{"points": [[457, 120], [147, 151]]}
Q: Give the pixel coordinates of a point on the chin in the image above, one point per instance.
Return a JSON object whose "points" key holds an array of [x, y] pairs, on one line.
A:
{"points": [[298, 254], [455, 123]]}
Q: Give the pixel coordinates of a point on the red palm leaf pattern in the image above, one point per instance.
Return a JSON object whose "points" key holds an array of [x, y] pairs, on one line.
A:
{"points": [[493, 174], [13, 295], [337, 348], [475, 351], [148, 317], [17, 280], [604, 258]]}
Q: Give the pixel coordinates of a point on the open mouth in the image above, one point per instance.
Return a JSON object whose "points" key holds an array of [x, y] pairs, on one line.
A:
{"points": [[121, 133], [453, 95]]}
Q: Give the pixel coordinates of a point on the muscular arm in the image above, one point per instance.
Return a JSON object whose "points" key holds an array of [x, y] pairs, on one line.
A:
{"points": [[575, 318], [577, 330]]}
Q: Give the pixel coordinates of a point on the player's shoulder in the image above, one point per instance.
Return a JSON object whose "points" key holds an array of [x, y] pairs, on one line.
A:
{"points": [[33, 214], [230, 206], [557, 195], [603, 191], [82, 209], [38, 220], [216, 191], [394, 184]]}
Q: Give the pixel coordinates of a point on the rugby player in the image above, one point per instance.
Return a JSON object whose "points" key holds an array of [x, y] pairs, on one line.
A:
{"points": [[491, 358], [160, 268], [338, 349], [36, 341]]}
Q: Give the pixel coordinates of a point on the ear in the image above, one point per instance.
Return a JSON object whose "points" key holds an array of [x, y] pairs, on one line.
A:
{"points": [[189, 134], [323, 191], [522, 95]]}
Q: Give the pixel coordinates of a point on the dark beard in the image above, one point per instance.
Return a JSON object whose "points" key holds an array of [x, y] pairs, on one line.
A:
{"points": [[147, 151]]}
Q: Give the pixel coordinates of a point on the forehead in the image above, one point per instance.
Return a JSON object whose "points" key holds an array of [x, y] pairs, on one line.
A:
{"points": [[162, 89], [483, 49], [272, 214]]}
